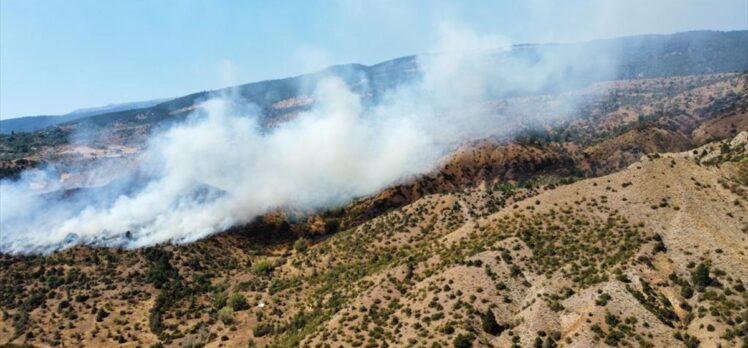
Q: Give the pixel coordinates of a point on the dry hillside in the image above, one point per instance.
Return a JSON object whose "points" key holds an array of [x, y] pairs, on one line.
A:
{"points": [[573, 232], [652, 255]]}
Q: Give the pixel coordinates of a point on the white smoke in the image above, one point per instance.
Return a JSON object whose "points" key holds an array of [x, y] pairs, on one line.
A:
{"points": [[220, 168]]}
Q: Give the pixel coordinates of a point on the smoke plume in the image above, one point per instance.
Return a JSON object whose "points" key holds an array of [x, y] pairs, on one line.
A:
{"points": [[221, 167]]}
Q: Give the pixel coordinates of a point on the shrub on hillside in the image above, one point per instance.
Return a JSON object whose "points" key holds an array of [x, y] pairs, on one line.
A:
{"points": [[219, 301], [262, 267], [237, 302], [464, 340], [700, 277], [226, 315], [301, 245]]}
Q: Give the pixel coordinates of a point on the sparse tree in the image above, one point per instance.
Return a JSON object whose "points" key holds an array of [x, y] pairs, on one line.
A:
{"points": [[700, 276], [490, 326]]}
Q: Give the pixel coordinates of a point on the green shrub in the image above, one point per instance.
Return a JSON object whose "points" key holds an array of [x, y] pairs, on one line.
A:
{"points": [[219, 301], [700, 276], [263, 330], [301, 245], [686, 292], [160, 270], [237, 302], [101, 314], [464, 340], [262, 267], [226, 315]]}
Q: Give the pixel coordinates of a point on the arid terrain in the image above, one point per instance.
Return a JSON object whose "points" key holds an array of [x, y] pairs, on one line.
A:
{"points": [[603, 203], [625, 225]]}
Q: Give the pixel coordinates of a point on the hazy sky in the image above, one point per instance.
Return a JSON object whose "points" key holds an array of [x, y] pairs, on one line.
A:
{"points": [[59, 55]]}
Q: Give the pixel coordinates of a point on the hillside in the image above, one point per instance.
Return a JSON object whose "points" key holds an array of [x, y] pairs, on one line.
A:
{"points": [[652, 255], [608, 212], [620, 122]]}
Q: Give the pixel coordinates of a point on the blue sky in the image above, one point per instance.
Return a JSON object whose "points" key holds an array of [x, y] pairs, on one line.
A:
{"points": [[60, 55]]}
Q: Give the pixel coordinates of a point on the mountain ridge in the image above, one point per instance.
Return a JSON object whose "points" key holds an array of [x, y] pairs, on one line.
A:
{"points": [[650, 62], [33, 123]]}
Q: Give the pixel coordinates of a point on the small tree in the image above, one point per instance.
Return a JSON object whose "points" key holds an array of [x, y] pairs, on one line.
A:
{"points": [[101, 314], [490, 326], [686, 291], [700, 276]]}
